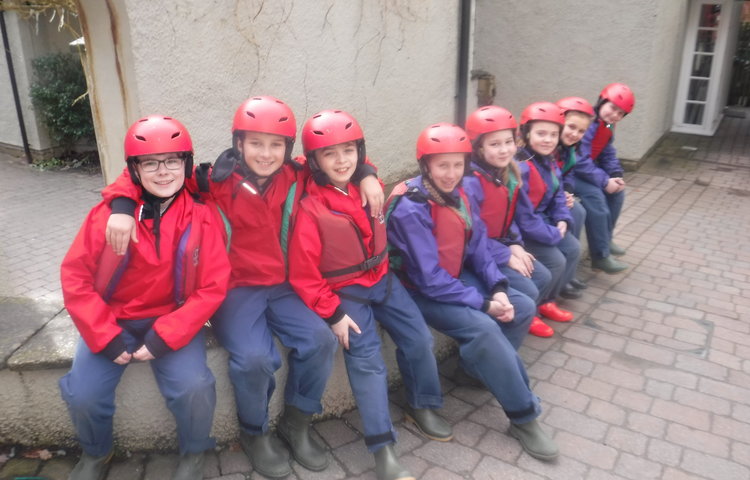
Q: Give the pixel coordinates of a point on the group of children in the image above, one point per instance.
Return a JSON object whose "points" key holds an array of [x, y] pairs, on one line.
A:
{"points": [[478, 246]]}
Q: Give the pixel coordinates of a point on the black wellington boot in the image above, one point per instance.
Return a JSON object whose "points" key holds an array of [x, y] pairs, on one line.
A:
{"points": [[267, 454], [294, 429]]}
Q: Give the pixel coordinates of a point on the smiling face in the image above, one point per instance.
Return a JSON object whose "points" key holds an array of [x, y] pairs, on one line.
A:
{"points": [[543, 137], [338, 162], [576, 124], [162, 182], [446, 170], [263, 153], [498, 148], [611, 113]]}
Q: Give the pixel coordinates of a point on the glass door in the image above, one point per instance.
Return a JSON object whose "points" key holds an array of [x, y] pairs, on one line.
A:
{"points": [[699, 94]]}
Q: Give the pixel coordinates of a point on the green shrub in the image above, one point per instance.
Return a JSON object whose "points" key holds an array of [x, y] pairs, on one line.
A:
{"points": [[59, 97]]}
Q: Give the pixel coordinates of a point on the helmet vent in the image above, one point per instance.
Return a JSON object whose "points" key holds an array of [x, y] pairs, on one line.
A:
{"points": [[250, 114], [141, 138], [175, 134], [435, 139], [348, 126], [490, 120], [283, 119], [318, 132], [462, 139]]}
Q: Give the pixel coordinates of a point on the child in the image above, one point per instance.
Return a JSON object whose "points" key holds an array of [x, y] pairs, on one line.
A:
{"points": [[578, 115], [438, 246], [338, 264], [547, 237], [599, 182], [495, 187], [132, 308], [257, 186]]}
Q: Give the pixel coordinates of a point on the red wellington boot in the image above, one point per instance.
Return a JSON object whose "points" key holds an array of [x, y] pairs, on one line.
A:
{"points": [[553, 312], [540, 329]]}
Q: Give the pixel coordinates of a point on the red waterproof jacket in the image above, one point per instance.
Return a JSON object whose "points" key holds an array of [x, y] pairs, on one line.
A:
{"points": [[146, 288], [331, 232]]}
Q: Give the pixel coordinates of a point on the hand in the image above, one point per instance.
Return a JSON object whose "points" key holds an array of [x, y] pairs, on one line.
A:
{"points": [[528, 259], [501, 310], [143, 354], [519, 266], [562, 227], [341, 330], [123, 359], [120, 230], [614, 185], [569, 199], [372, 194]]}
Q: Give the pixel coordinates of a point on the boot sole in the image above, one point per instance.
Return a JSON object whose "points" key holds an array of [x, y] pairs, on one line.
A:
{"points": [[413, 421], [296, 459], [538, 456], [260, 470], [608, 272]]}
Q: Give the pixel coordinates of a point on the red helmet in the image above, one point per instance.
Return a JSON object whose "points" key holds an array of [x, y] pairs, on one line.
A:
{"points": [[157, 134], [489, 119], [575, 104], [442, 138], [267, 115], [543, 111], [330, 127], [619, 94]]}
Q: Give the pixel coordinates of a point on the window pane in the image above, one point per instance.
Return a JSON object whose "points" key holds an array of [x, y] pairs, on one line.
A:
{"points": [[693, 114], [698, 90], [705, 41], [701, 66], [710, 15]]}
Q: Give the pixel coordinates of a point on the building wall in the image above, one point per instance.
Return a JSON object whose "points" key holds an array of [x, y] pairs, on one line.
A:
{"points": [[28, 40], [392, 64], [541, 50]]}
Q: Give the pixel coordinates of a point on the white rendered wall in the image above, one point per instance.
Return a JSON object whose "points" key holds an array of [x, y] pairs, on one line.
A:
{"points": [[542, 50], [26, 44], [392, 64]]}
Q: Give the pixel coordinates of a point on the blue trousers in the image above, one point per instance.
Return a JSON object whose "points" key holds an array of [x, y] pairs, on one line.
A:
{"points": [[536, 287], [579, 218], [561, 260], [245, 324], [487, 349], [184, 379], [602, 211], [389, 303]]}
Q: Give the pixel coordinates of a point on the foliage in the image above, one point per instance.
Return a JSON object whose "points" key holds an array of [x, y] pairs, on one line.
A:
{"points": [[62, 10], [87, 162], [59, 96]]}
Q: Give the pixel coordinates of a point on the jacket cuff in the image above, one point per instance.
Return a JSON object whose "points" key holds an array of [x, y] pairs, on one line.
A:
{"points": [[362, 171], [337, 316], [114, 348], [155, 344], [500, 287], [123, 205], [615, 175], [485, 305]]}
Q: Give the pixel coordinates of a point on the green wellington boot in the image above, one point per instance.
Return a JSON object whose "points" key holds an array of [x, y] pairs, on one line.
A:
{"points": [[616, 250], [608, 265], [534, 440], [267, 454], [387, 466], [90, 467], [190, 467], [429, 423], [294, 429]]}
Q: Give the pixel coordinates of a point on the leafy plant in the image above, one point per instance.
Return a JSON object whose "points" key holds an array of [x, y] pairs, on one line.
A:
{"points": [[59, 95]]}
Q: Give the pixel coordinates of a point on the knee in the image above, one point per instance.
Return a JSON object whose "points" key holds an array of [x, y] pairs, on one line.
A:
{"points": [[84, 397], [254, 363]]}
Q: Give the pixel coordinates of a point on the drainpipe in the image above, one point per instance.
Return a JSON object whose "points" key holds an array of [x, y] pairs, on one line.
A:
{"points": [[13, 85], [464, 41]]}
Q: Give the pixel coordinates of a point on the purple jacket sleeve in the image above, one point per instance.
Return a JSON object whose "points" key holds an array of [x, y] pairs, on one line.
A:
{"points": [[410, 232]]}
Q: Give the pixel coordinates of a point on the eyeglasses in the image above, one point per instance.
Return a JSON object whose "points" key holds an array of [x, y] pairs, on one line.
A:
{"points": [[172, 163]]}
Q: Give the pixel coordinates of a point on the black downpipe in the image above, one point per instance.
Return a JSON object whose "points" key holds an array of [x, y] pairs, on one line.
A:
{"points": [[463, 61], [16, 98]]}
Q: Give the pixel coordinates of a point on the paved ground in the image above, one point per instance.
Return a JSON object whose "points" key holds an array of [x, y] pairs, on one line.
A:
{"points": [[651, 381]]}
